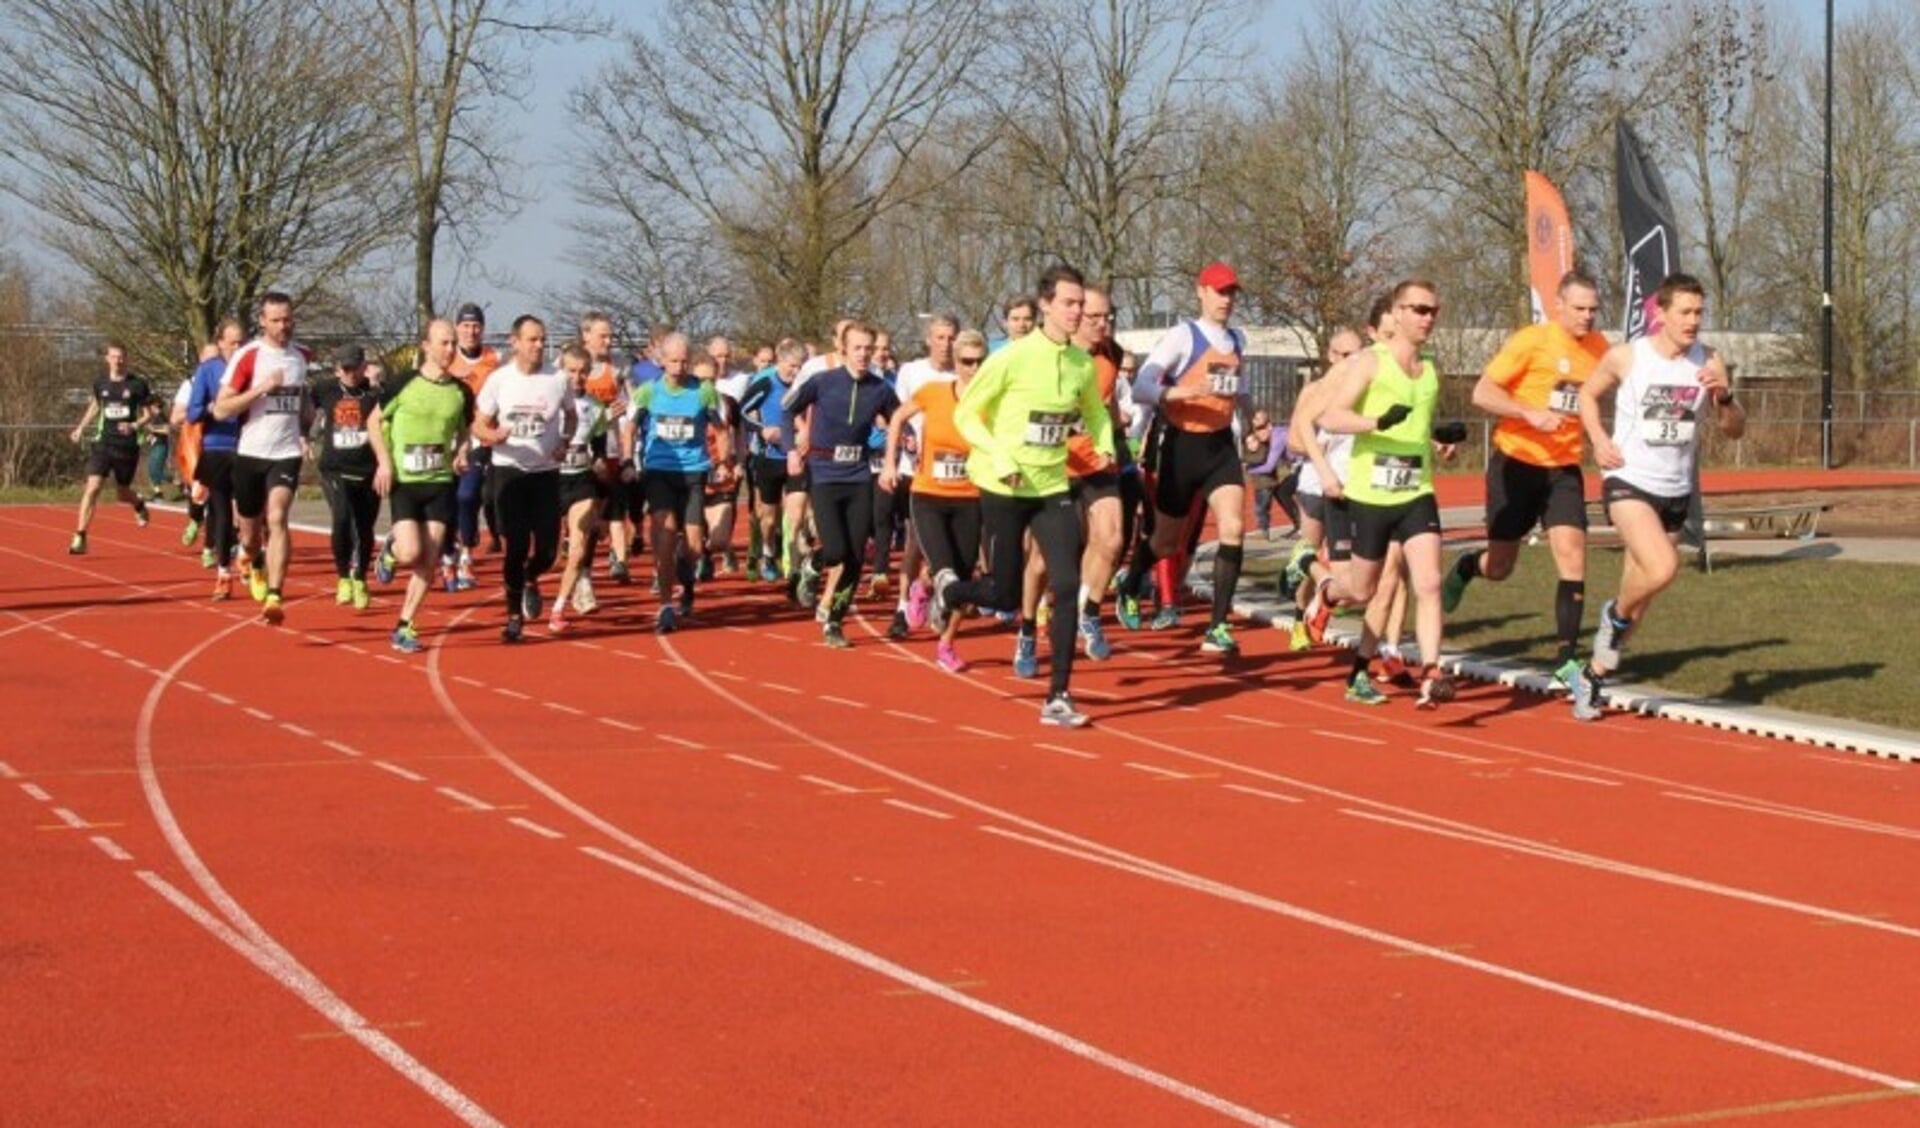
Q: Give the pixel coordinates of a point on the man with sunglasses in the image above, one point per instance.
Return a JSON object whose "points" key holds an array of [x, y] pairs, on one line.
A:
{"points": [[1385, 397], [1533, 473], [939, 365]]}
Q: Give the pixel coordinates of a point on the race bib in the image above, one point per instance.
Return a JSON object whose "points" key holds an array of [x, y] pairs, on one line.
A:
{"points": [[118, 411], [578, 458], [1049, 428], [349, 438], [1564, 399], [1670, 432], [673, 428], [849, 453], [1223, 380], [424, 458], [282, 402], [877, 463], [526, 425], [949, 467], [1396, 473]]}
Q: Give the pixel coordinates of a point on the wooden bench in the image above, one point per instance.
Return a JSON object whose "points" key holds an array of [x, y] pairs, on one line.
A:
{"points": [[1798, 520]]}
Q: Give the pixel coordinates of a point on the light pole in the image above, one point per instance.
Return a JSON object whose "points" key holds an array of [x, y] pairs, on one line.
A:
{"points": [[1826, 271]]}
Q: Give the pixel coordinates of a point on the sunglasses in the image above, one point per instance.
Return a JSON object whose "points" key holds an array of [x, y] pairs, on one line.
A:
{"points": [[1422, 309], [969, 361]]}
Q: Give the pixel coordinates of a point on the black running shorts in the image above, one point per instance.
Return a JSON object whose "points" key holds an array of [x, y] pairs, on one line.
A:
{"points": [[1192, 466], [1521, 495], [1672, 511], [116, 462], [1376, 526], [255, 478]]}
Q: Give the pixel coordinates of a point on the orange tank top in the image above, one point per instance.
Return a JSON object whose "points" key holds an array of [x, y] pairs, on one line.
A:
{"points": [[943, 449], [1216, 374]]}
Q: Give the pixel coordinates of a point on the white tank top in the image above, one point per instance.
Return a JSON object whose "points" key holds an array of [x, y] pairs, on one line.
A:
{"points": [[1338, 448], [1656, 420]]}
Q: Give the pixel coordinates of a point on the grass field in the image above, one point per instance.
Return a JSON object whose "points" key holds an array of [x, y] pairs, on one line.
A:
{"points": [[1816, 636]]}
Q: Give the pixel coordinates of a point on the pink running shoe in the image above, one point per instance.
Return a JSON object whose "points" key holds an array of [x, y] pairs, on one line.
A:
{"points": [[918, 599], [949, 658], [557, 622]]}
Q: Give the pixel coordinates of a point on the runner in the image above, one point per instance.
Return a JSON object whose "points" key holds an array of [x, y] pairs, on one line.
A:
{"points": [[945, 502], [341, 407], [665, 436], [186, 457], [265, 388], [1193, 379], [779, 498], [839, 408], [1665, 381], [722, 489], [605, 384], [219, 440], [525, 412], [942, 331], [419, 435], [1533, 472], [1326, 532], [585, 477], [1385, 397], [1017, 415], [473, 361], [1018, 316], [117, 410], [889, 506]]}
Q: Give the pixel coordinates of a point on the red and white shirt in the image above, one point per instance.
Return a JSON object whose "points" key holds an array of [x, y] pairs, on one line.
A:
{"points": [[271, 426]]}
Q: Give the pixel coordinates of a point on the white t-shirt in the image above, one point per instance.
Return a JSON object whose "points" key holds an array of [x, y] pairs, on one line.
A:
{"points": [[1338, 448], [537, 410], [733, 385], [270, 427], [1656, 419], [914, 375]]}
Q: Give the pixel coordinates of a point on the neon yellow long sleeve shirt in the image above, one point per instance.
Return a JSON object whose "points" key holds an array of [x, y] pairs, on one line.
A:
{"points": [[1019, 410]]}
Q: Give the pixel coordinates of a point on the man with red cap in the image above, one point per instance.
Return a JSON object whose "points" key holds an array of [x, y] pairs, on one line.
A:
{"points": [[1193, 382]]}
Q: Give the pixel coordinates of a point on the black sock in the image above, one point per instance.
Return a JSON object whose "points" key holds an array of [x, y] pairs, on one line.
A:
{"points": [[1569, 602], [1360, 662], [1028, 628], [1226, 578], [1091, 609], [403, 624], [1139, 570], [273, 593], [1467, 567]]}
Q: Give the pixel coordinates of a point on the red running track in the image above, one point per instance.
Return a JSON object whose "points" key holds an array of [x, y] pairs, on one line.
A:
{"points": [[728, 877]]}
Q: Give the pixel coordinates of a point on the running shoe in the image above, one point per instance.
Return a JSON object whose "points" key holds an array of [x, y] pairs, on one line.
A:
{"points": [[448, 580], [1126, 608], [343, 591], [463, 574], [807, 590], [1436, 688], [729, 563], [257, 584], [140, 515], [918, 598], [1295, 573], [557, 622], [207, 559], [897, 629], [617, 571], [1361, 691], [1006, 618], [271, 612], [383, 567], [1452, 589], [1319, 614], [362, 598], [584, 601], [1093, 637], [1585, 693], [1297, 637], [769, 571], [834, 636], [531, 603], [515, 627], [1391, 668], [1026, 656], [1219, 640], [78, 545], [191, 533], [1059, 711], [405, 639], [667, 621], [938, 609], [222, 585], [1165, 619], [948, 659], [1564, 674], [1609, 637]]}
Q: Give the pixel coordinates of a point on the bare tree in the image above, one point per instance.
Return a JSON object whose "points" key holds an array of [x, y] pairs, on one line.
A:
{"points": [[786, 126], [1494, 88], [187, 155], [451, 67]]}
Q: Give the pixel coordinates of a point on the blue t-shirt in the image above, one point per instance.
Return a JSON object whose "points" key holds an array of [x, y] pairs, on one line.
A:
{"points": [[845, 411], [672, 423], [644, 372], [761, 407], [215, 434]]}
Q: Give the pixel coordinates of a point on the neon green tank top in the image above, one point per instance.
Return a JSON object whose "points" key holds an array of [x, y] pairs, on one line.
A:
{"points": [[1395, 466], [424, 420]]}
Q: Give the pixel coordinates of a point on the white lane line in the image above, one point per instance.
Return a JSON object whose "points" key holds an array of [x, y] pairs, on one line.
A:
{"points": [[7, 772], [395, 769], [616, 722], [1163, 773], [724, 676], [110, 848], [751, 762], [534, 827], [905, 716], [830, 785], [1575, 777], [139, 665], [296, 729], [464, 799], [1460, 757], [917, 809], [988, 733], [191, 687], [738, 630], [36, 791], [471, 683], [257, 714], [388, 658], [352, 649], [1796, 814], [1859, 762], [70, 818], [512, 694], [778, 688], [1245, 790], [109, 652], [637, 657], [814, 937], [1348, 737], [343, 749], [1261, 721], [569, 710], [88, 643], [842, 701], [221, 698], [1065, 751], [693, 744]]}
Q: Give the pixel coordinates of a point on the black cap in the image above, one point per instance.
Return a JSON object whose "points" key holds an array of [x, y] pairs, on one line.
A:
{"points": [[471, 312], [353, 356]]}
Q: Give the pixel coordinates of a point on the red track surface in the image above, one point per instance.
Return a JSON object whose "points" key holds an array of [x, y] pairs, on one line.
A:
{"points": [[733, 877]]}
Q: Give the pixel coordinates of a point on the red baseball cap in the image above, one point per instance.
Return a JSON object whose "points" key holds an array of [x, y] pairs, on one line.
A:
{"points": [[1218, 276]]}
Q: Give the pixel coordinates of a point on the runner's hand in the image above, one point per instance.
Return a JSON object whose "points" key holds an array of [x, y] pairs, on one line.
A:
{"points": [[1540, 419], [1392, 417], [383, 481], [770, 434], [1607, 455], [1014, 481], [889, 479]]}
